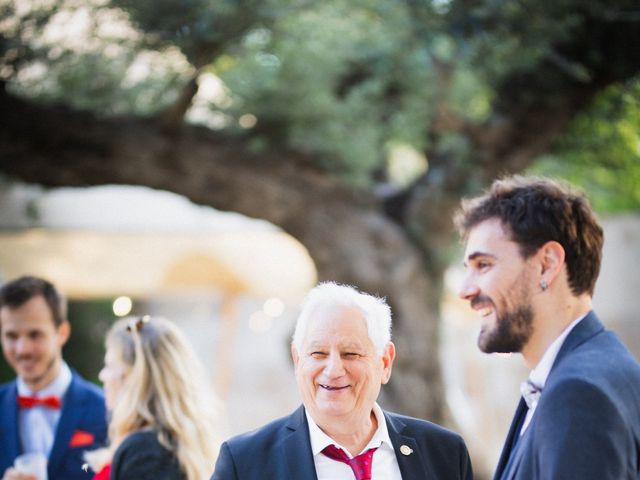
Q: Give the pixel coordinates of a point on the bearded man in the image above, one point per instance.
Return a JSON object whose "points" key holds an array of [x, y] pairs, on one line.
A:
{"points": [[533, 251]]}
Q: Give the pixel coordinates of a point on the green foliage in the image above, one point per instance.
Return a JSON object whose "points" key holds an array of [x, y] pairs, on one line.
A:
{"points": [[88, 57], [6, 372], [470, 98], [90, 321], [199, 28], [601, 151], [501, 37], [340, 79]]}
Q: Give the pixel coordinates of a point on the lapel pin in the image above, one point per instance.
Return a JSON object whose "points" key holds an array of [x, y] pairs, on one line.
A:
{"points": [[405, 450]]}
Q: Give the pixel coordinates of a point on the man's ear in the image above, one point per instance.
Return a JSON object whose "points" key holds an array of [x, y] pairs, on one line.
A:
{"points": [[551, 256], [387, 361], [294, 355], [64, 331]]}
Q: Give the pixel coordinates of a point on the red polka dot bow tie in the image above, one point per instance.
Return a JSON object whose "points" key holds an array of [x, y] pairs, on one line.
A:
{"points": [[30, 402], [361, 465]]}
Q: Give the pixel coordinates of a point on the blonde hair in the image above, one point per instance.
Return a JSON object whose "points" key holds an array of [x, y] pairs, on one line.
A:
{"points": [[165, 389]]}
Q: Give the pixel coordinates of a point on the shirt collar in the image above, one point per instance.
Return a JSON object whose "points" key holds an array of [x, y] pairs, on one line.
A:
{"points": [[539, 374], [320, 440], [57, 387]]}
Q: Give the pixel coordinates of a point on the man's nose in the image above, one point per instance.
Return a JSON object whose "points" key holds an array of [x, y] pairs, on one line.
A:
{"points": [[23, 345], [335, 365], [468, 289]]}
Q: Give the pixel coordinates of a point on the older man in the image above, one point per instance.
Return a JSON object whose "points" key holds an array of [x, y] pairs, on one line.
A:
{"points": [[533, 256], [342, 352]]}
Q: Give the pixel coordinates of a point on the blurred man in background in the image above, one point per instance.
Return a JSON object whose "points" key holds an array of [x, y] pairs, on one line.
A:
{"points": [[48, 408]]}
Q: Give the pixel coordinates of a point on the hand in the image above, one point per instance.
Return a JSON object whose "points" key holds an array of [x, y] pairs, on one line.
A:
{"points": [[13, 474]]}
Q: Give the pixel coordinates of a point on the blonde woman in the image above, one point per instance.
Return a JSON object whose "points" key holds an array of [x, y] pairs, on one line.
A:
{"points": [[163, 424]]}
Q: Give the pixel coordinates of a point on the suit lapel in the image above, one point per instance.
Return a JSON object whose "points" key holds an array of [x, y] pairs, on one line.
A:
{"points": [[72, 411], [411, 463], [512, 438], [521, 447], [296, 448], [9, 426]]}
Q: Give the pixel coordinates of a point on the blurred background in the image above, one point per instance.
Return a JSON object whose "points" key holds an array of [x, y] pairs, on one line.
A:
{"points": [[211, 161]]}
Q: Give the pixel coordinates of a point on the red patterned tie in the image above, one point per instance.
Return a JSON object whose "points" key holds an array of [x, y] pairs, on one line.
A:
{"points": [[361, 465], [30, 402]]}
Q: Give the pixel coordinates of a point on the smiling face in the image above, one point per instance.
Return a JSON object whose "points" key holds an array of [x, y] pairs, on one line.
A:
{"points": [[31, 342], [338, 372], [112, 376], [498, 285]]}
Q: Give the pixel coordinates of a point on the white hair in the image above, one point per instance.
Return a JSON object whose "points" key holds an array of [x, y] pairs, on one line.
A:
{"points": [[330, 295]]}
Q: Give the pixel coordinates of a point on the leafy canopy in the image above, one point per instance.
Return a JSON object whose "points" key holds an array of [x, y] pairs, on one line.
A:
{"points": [[353, 82]]}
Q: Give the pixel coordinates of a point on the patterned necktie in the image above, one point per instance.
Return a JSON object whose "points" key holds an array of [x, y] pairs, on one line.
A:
{"points": [[531, 393], [361, 465], [30, 402]]}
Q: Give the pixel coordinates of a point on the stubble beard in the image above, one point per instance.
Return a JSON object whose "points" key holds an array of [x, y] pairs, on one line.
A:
{"points": [[511, 333]]}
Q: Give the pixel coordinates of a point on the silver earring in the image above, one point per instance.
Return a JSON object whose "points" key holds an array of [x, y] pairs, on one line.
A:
{"points": [[544, 285]]}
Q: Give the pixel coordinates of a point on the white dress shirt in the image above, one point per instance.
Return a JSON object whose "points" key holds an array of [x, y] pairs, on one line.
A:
{"points": [[385, 464], [37, 425], [539, 374]]}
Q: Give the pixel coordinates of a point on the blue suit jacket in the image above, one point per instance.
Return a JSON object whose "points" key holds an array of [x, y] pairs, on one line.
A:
{"points": [[83, 409], [587, 422], [281, 450]]}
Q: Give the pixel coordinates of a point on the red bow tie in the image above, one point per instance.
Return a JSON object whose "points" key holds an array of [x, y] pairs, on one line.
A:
{"points": [[30, 402]]}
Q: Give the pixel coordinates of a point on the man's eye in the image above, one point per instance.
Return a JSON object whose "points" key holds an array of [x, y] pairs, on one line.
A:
{"points": [[351, 355], [482, 265], [318, 355]]}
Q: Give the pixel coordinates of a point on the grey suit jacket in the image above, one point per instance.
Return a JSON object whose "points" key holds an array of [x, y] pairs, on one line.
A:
{"points": [[587, 422], [281, 450]]}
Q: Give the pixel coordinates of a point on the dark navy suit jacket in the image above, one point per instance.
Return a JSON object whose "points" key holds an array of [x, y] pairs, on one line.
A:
{"points": [[83, 414], [587, 422], [281, 450]]}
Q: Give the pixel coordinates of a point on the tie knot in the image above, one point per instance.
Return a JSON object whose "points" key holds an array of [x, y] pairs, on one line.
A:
{"points": [[360, 465], [30, 402], [530, 392]]}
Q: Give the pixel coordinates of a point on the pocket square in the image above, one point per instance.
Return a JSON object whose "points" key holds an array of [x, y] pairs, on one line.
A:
{"points": [[81, 439]]}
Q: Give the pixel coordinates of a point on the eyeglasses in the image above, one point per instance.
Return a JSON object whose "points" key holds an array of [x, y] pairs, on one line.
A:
{"points": [[138, 323]]}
